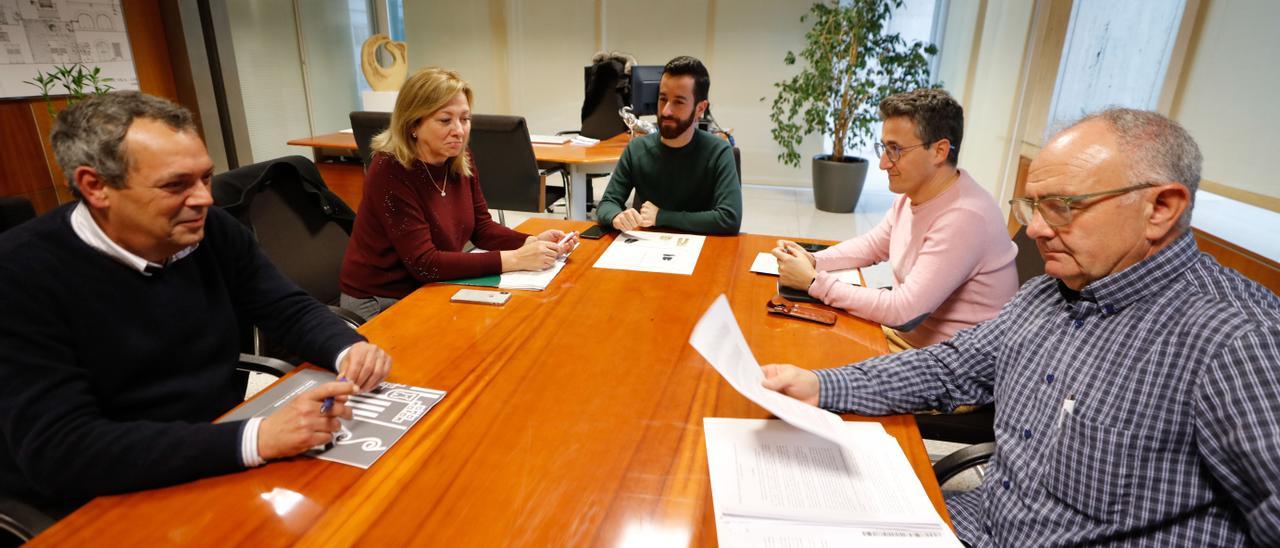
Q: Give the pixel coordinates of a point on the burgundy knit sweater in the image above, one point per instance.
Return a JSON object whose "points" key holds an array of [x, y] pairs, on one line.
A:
{"points": [[407, 234]]}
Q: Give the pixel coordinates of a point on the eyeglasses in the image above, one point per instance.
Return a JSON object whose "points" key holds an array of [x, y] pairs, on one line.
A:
{"points": [[1056, 210], [894, 151]]}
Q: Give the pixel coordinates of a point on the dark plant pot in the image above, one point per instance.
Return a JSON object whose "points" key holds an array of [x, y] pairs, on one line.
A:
{"points": [[837, 185]]}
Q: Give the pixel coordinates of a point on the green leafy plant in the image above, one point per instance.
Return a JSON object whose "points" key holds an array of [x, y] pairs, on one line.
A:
{"points": [[77, 80], [850, 64]]}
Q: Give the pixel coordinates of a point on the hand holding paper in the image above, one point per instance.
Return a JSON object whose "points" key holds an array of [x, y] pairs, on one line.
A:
{"points": [[720, 341]]}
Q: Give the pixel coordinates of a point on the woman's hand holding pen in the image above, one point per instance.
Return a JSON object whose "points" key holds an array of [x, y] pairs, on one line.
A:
{"points": [[796, 267], [564, 242], [535, 254]]}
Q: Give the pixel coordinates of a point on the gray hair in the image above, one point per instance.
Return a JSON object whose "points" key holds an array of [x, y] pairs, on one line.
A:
{"points": [[91, 132], [1158, 150]]}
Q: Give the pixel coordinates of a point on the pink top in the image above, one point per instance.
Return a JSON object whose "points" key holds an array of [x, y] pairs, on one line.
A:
{"points": [[953, 265]]}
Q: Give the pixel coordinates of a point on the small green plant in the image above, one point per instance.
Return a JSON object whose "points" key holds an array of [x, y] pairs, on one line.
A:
{"points": [[77, 80], [851, 64]]}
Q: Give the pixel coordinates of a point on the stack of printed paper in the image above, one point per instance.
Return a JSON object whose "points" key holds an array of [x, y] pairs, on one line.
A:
{"points": [[813, 480]]}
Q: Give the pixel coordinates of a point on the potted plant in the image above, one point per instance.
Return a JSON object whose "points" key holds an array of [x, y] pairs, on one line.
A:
{"points": [[77, 80], [851, 63]]}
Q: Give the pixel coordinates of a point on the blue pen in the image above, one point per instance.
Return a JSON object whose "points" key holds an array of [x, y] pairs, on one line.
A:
{"points": [[328, 402]]}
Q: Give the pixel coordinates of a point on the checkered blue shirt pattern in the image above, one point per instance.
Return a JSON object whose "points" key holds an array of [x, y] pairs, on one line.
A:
{"points": [[1173, 436]]}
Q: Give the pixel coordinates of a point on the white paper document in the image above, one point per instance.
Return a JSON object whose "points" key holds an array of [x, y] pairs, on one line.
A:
{"points": [[549, 139], [531, 280], [719, 340], [766, 263], [775, 485], [653, 252], [813, 480]]}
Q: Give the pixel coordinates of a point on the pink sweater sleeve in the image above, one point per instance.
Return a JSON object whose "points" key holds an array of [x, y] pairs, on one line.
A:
{"points": [[948, 256], [865, 250]]}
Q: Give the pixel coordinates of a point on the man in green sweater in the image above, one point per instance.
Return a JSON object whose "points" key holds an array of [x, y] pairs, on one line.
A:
{"points": [[685, 180]]}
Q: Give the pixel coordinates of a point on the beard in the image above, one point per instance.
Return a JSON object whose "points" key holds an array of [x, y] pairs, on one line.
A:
{"points": [[671, 132]]}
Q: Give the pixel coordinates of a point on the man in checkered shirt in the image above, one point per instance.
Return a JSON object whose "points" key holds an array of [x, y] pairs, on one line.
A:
{"points": [[1137, 383]]}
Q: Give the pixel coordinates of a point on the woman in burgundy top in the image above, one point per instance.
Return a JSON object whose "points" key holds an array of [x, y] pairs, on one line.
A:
{"points": [[422, 203]]}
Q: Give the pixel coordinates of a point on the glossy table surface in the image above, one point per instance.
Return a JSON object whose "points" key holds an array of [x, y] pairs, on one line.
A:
{"points": [[337, 140], [573, 417], [606, 151]]}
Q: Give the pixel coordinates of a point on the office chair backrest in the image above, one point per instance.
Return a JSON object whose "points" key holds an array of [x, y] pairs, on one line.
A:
{"points": [[504, 158], [299, 238], [1029, 262], [300, 225], [15, 210], [364, 126], [600, 118]]}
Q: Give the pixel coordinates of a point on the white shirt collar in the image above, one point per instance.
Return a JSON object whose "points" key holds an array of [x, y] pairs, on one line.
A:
{"points": [[90, 233]]}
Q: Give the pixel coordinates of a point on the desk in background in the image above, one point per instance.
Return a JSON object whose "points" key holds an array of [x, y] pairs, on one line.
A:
{"points": [[599, 158], [574, 417]]}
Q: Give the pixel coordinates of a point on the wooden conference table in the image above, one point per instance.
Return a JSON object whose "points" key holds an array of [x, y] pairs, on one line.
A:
{"points": [[573, 417], [581, 160]]}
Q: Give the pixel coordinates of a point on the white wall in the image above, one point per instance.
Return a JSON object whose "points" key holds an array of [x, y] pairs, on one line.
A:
{"points": [[1227, 99], [265, 40], [525, 57], [992, 103]]}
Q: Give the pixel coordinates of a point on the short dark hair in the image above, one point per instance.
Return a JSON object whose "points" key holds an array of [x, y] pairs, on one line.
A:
{"points": [[91, 132], [937, 116], [685, 65]]}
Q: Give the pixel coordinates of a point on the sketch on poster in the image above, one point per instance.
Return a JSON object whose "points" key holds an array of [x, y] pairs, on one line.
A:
{"points": [[36, 35], [379, 417]]}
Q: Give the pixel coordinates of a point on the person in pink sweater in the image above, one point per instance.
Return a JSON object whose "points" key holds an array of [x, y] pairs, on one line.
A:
{"points": [[952, 258]]}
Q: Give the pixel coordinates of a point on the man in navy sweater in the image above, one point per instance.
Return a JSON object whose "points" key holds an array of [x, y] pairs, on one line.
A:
{"points": [[120, 314]]}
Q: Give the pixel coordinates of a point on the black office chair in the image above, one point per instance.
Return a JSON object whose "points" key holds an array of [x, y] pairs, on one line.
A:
{"points": [[608, 89], [509, 174], [20, 521], [978, 427], [15, 210], [364, 126], [300, 225]]}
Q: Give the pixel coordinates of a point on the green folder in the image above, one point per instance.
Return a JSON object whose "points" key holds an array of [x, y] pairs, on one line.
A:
{"points": [[478, 281]]}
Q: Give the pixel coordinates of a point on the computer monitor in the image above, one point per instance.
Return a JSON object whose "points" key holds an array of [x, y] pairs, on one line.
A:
{"points": [[644, 89]]}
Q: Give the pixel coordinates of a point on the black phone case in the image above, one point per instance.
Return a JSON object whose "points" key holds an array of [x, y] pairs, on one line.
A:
{"points": [[594, 233], [796, 295]]}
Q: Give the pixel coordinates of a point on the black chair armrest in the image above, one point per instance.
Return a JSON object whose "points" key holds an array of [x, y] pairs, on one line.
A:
{"points": [[557, 168], [22, 520], [263, 364], [952, 465], [354, 320]]}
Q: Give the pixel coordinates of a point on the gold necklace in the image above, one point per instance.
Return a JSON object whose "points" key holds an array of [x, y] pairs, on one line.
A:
{"points": [[433, 179]]}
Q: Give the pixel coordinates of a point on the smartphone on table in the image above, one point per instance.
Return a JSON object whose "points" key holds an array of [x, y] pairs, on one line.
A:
{"points": [[480, 296], [595, 232]]}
